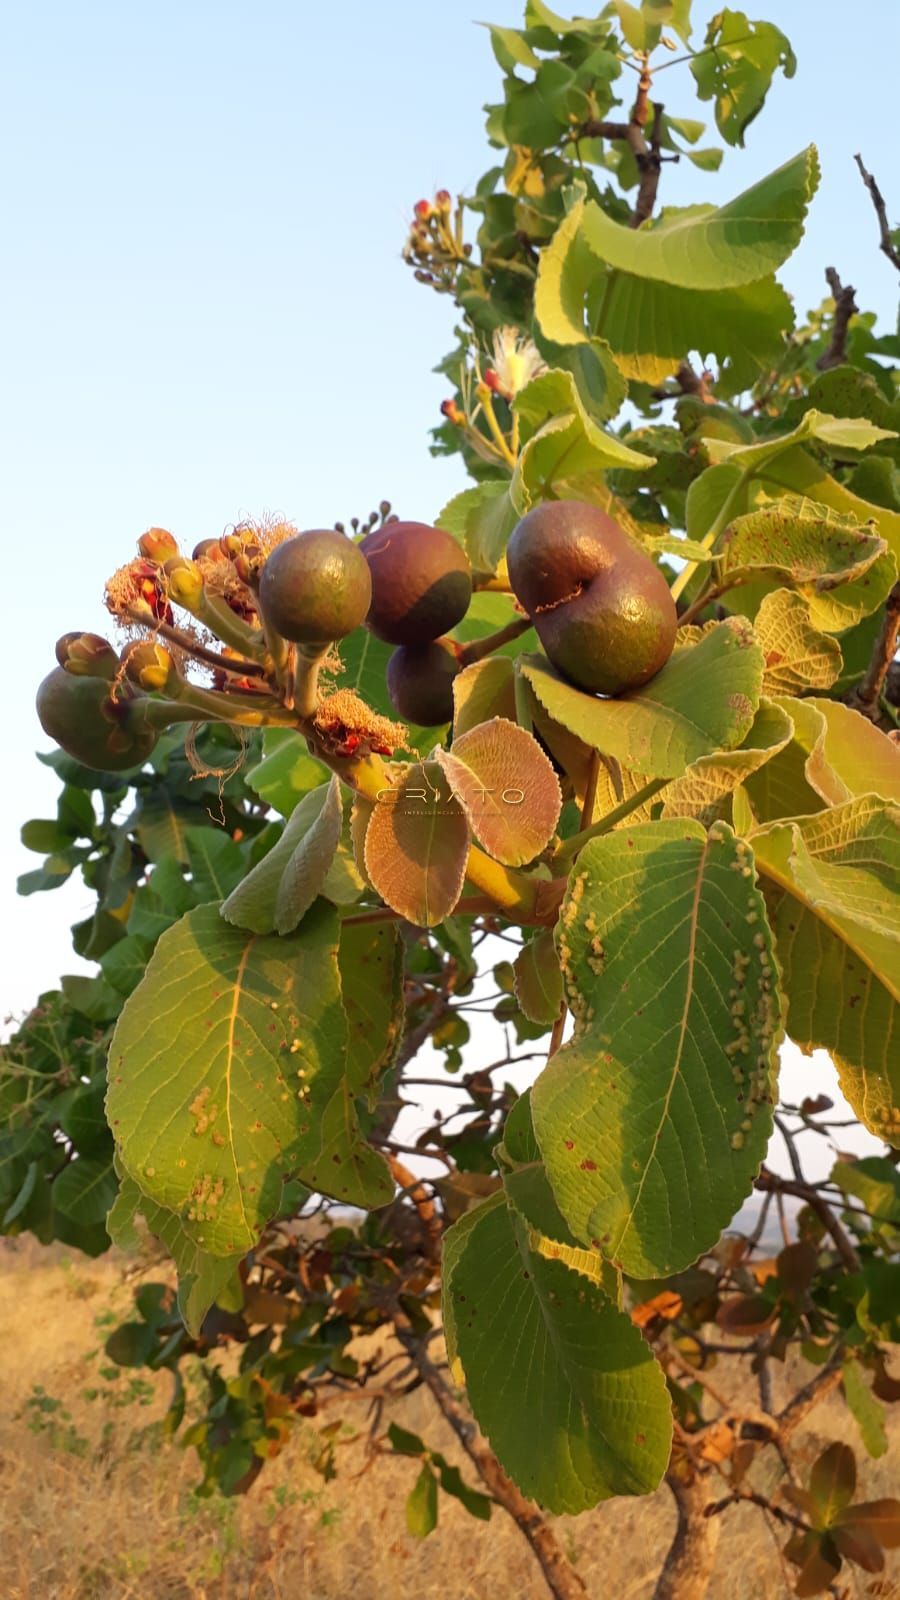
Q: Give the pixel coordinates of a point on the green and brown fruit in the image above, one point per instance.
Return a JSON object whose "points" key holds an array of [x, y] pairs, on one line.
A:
{"points": [[603, 611], [421, 582], [420, 681], [315, 587], [83, 719]]}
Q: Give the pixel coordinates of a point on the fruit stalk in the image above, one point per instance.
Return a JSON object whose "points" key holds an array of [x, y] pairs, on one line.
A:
{"points": [[567, 852]]}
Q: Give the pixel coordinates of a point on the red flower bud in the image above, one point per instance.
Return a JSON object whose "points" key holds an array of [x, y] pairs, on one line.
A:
{"points": [[423, 209], [492, 380], [157, 545], [442, 200]]}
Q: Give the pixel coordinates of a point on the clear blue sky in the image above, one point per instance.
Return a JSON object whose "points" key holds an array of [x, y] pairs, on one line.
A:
{"points": [[205, 312]]}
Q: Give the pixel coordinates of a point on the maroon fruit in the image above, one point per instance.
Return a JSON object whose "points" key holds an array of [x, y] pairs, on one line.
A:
{"points": [[603, 611], [421, 582]]}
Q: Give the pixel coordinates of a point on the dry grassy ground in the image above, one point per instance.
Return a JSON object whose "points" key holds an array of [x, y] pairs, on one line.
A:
{"points": [[91, 1511]]}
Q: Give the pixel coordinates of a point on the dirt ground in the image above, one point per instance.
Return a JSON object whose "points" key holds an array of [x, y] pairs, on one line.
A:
{"points": [[94, 1508]]}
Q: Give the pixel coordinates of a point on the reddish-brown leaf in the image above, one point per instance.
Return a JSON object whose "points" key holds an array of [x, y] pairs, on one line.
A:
{"points": [[879, 1518], [745, 1313], [818, 1561], [507, 787], [417, 845]]}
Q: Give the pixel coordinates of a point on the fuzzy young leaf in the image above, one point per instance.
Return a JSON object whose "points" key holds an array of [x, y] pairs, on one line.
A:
{"points": [[507, 788], [416, 846], [653, 1120]]}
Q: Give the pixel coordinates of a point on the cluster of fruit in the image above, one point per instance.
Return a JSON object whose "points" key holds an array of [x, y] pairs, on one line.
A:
{"points": [[602, 610]]}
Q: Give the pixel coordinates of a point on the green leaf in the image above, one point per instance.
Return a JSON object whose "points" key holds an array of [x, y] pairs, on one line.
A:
{"points": [[566, 270], [482, 519], [507, 788], [215, 860], [278, 892], [85, 1190], [422, 1504], [810, 549], [203, 1279], [868, 1411], [798, 657], [654, 1119], [512, 49], [538, 979], [483, 690], [538, 1341], [833, 895], [46, 837], [286, 772], [649, 325], [477, 1505], [371, 963], [704, 790], [875, 1181], [416, 846], [561, 443], [704, 700], [737, 67], [406, 1443], [211, 1129], [832, 1482], [701, 247]]}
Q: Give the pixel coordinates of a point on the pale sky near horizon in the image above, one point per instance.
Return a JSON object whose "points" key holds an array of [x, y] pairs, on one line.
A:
{"points": [[205, 314]]}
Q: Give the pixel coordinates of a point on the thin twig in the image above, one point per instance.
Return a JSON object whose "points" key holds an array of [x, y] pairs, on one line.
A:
{"points": [[887, 244]]}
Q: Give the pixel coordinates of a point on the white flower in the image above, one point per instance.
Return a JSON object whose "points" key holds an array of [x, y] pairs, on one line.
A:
{"points": [[516, 361]]}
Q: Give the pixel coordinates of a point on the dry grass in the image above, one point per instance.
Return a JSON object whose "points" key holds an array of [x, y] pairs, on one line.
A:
{"points": [[120, 1521]]}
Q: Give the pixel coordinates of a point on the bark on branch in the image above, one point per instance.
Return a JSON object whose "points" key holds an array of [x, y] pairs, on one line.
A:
{"points": [[845, 307], [887, 244], [867, 694], [688, 1566], [561, 1578]]}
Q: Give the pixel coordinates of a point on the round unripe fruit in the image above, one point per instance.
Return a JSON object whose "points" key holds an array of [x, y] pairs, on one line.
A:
{"points": [[603, 611], [315, 587], [421, 582], [420, 682], [76, 712]]}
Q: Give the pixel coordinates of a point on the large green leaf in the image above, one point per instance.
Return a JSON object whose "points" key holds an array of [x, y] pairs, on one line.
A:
{"points": [[566, 270], [223, 1065], [649, 325], [703, 700], [835, 897], [287, 771], [559, 1379], [701, 247], [653, 1120]]}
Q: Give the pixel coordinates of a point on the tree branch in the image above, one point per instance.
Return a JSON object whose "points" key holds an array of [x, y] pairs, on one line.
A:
{"points": [[688, 1566], [887, 244], [561, 1578], [805, 1191], [845, 307], [866, 695]]}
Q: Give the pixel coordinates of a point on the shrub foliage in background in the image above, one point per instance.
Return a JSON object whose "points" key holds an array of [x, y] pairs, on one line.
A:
{"points": [[295, 893]]}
